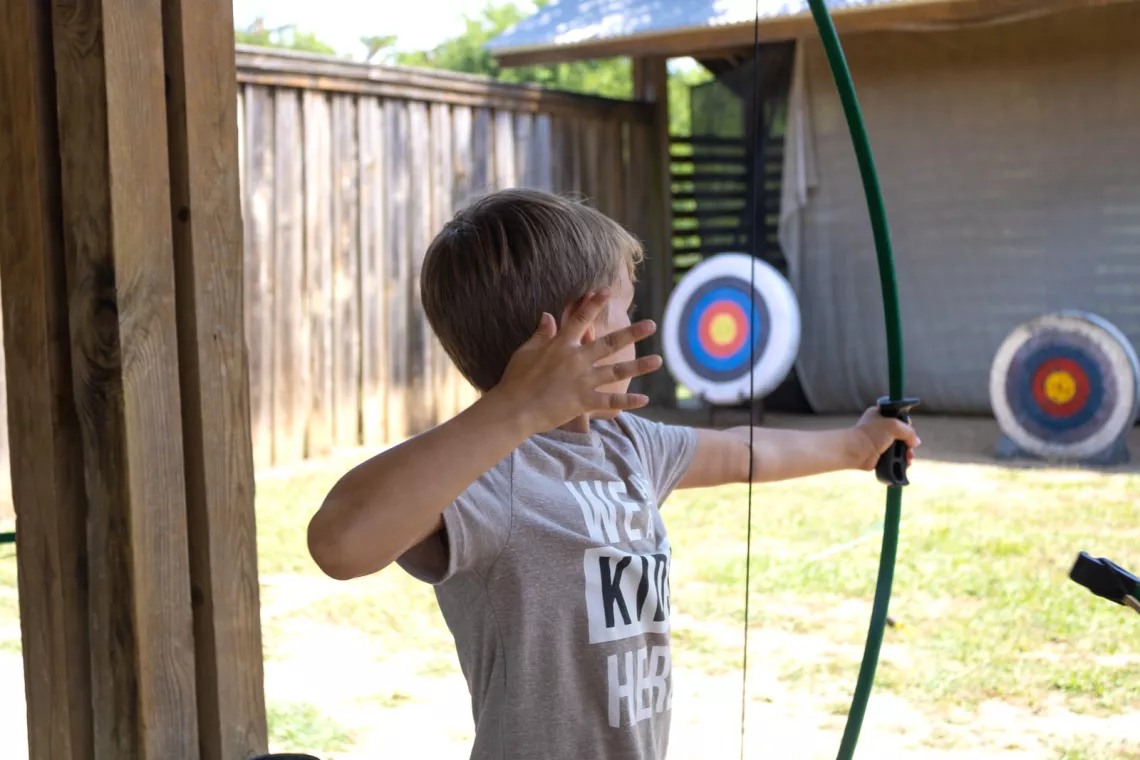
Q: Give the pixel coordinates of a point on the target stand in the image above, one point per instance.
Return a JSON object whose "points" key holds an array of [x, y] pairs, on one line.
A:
{"points": [[710, 344], [1066, 388]]}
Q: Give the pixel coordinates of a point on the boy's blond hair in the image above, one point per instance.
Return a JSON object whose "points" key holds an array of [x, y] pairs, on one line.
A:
{"points": [[501, 262]]}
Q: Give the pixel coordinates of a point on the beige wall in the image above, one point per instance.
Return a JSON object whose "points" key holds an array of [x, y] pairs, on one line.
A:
{"points": [[1010, 162]]}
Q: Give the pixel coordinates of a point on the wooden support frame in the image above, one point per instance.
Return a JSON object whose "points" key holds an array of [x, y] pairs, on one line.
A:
{"points": [[46, 458], [214, 376], [651, 85], [128, 404]]}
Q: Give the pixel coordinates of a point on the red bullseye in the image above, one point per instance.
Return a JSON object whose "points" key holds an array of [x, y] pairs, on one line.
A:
{"points": [[1060, 387], [723, 329]]}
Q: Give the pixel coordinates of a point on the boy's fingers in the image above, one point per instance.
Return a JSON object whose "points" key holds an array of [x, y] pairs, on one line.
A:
{"points": [[585, 314], [546, 327], [908, 434], [620, 401], [615, 341], [624, 370]]}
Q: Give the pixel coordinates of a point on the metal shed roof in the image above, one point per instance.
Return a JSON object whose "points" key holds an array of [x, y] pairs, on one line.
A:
{"points": [[570, 22]]}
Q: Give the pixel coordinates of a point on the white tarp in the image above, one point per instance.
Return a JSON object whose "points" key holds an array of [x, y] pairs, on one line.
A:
{"points": [[1010, 162]]}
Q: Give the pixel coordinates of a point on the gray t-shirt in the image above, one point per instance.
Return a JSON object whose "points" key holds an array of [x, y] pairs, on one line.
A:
{"points": [[557, 593]]}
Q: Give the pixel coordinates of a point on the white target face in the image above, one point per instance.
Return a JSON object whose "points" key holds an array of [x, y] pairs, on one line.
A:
{"points": [[724, 345], [1065, 386]]}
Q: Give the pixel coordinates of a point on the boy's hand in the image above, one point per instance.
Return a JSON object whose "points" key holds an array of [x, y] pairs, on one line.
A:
{"points": [[553, 378], [878, 433]]}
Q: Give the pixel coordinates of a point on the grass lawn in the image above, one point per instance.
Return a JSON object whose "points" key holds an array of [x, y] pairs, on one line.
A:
{"points": [[996, 652], [986, 614]]}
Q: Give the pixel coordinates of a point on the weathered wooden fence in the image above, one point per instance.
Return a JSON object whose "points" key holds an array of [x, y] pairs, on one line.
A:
{"points": [[348, 171]]}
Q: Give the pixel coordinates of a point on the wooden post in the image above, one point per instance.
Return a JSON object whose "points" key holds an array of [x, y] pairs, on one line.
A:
{"points": [[46, 457], [651, 85], [214, 374], [128, 401]]}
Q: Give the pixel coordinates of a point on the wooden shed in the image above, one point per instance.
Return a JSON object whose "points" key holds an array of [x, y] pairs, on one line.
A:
{"points": [[1005, 133]]}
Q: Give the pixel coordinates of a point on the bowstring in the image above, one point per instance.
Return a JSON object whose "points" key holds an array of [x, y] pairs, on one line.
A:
{"points": [[755, 245]]}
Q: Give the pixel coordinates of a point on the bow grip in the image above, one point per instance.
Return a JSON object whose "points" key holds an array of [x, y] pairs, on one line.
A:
{"points": [[891, 467]]}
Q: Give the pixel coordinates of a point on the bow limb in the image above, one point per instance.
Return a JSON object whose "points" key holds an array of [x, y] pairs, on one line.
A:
{"points": [[892, 468]]}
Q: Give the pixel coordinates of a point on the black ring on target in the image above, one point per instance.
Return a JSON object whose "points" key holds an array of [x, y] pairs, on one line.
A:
{"points": [[1066, 386], [715, 320]]}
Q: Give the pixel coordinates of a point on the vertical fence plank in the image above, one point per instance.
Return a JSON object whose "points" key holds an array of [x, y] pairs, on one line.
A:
{"points": [[465, 187], [524, 143], [258, 269], [482, 152], [446, 387], [543, 153], [506, 173], [317, 304], [291, 392], [421, 379], [373, 232], [346, 266], [612, 169], [397, 267], [7, 511], [578, 178], [561, 154]]}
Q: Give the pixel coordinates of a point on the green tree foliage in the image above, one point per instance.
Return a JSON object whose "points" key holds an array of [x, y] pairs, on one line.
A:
{"points": [[467, 53], [611, 77], [284, 37]]}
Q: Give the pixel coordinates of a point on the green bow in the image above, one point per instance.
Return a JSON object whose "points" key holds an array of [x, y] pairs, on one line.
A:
{"points": [[891, 469]]}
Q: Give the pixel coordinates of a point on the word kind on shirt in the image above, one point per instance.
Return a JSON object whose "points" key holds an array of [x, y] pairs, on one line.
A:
{"points": [[627, 596]]}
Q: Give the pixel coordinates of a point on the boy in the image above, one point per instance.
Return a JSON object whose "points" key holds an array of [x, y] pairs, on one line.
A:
{"points": [[534, 513]]}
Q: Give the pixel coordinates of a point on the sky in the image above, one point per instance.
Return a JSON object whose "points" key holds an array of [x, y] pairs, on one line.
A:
{"points": [[419, 24]]}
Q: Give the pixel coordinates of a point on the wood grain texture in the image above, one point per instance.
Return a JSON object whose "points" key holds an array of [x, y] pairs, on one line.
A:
{"points": [[208, 252], [346, 268], [373, 272], [444, 374], [590, 154], [47, 456], [318, 300], [543, 153], [482, 153], [421, 375], [651, 85], [120, 273], [398, 287], [506, 171], [287, 69], [259, 202], [291, 391], [470, 171], [524, 150]]}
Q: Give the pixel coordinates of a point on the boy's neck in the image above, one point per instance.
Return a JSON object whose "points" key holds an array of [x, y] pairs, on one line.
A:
{"points": [[578, 425]]}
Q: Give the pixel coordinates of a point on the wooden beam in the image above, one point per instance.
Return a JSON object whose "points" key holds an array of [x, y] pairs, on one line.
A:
{"points": [[124, 345], [710, 41], [214, 376], [651, 85], [46, 458], [311, 72]]}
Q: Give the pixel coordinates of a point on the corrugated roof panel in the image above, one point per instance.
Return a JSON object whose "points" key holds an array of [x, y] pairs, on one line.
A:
{"points": [[568, 22]]}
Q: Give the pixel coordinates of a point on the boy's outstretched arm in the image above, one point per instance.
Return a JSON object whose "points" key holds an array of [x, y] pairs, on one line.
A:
{"points": [[722, 455], [395, 500]]}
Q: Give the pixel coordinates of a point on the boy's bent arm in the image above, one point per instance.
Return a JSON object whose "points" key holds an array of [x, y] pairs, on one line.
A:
{"points": [[395, 500], [722, 455]]}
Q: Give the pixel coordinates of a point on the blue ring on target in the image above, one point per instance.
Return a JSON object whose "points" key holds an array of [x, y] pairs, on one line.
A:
{"points": [[731, 329], [1021, 381], [1066, 386], [740, 357]]}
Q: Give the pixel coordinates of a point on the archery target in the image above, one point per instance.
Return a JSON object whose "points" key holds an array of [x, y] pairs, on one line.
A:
{"points": [[1065, 386], [713, 330]]}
